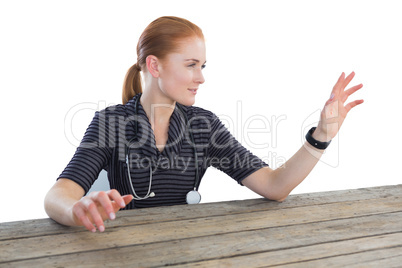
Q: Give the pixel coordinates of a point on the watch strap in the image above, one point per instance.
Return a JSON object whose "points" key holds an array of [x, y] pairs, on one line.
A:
{"points": [[315, 143]]}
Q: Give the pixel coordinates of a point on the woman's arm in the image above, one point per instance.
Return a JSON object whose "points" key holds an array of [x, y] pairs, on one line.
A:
{"points": [[65, 204], [277, 184]]}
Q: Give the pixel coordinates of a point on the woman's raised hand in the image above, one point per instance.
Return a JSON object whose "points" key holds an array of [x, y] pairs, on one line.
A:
{"points": [[335, 110], [92, 210]]}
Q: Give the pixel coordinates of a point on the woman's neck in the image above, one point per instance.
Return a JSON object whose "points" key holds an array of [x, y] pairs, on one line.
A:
{"points": [[158, 107]]}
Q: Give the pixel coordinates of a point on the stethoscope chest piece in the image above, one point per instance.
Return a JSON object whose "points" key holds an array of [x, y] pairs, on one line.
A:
{"points": [[193, 197]]}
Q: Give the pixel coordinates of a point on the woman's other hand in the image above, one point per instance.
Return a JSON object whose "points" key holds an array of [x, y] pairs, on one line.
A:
{"points": [[92, 210], [335, 110], [65, 203]]}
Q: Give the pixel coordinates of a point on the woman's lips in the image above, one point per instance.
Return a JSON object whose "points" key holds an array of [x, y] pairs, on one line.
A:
{"points": [[193, 90]]}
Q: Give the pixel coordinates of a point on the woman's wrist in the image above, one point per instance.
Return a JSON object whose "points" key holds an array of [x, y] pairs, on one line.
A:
{"points": [[74, 221], [314, 142], [320, 135]]}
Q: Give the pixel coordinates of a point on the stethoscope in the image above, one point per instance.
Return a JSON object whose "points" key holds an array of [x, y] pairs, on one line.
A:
{"points": [[193, 196]]}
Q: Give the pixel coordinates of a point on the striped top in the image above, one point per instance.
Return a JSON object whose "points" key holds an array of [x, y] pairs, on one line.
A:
{"points": [[173, 169]]}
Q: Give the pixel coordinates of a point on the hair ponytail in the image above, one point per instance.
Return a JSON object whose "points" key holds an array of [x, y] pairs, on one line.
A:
{"points": [[161, 37], [132, 83]]}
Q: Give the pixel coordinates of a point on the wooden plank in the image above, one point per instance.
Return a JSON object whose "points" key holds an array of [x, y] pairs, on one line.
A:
{"points": [[317, 255], [281, 245], [32, 228], [386, 258], [391, 257], [41, 227], [303, 219]]}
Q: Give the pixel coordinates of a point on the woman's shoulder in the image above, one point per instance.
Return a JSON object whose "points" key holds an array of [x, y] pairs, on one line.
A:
{"points": [[195, 111], [202, 118], [118, 110]]}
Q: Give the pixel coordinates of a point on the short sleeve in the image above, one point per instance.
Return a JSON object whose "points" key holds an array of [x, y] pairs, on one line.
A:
{"points": [[228, 155], [92, 155]]}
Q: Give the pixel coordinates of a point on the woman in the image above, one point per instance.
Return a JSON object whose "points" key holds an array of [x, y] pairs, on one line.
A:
{"points": [[157, 146]]}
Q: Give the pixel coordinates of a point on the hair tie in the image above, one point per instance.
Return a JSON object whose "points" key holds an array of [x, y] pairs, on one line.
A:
{"points": [[137, 67]]}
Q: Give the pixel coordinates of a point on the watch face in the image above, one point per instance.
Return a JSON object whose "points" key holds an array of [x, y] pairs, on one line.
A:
{"points": [[193, 197]]}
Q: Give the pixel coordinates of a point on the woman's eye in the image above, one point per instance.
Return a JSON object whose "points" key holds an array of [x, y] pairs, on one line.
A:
{"points": [[193, 65]]}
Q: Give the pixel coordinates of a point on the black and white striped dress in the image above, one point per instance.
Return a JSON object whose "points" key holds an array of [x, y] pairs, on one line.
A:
{"points": [[173, 169]]}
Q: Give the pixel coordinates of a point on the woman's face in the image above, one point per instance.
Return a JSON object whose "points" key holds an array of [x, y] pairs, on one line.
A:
{"points": [[180, 74]]}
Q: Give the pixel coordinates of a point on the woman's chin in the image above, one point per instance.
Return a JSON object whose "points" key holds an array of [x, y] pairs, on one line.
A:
{"points": [[187, 101]]}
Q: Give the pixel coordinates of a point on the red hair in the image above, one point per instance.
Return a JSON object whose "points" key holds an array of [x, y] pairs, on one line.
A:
{"points": [[160, 38]]}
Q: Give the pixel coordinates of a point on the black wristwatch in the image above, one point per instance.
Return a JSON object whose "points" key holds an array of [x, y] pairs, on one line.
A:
{"points": [[315, 143]]}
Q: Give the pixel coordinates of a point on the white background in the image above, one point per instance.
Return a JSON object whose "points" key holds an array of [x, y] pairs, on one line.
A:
{"points": [[265, 60]]}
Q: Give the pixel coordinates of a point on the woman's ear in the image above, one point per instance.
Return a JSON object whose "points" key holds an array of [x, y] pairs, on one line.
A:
{"points": [[153, 65]]}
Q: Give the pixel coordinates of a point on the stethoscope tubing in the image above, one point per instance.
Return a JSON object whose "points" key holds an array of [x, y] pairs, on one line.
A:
{"points": [[149, 193]]}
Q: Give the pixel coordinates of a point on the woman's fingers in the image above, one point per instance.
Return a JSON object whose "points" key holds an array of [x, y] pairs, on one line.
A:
{"points": [[92, 209], [341, 84], [99, 206], [349, 106], [105, 202], [115, 195], [127, 199], [79, 212], [350, 91], [347, 80]]}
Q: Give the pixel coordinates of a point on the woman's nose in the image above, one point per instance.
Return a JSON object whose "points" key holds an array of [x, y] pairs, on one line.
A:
{"points": [[200, 77]]}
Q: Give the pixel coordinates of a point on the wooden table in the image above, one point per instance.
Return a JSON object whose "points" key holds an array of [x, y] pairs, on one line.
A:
{"points": [[352, 228]]}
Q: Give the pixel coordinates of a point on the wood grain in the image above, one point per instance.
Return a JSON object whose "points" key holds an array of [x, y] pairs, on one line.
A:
{"points": [[349, 228]]}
